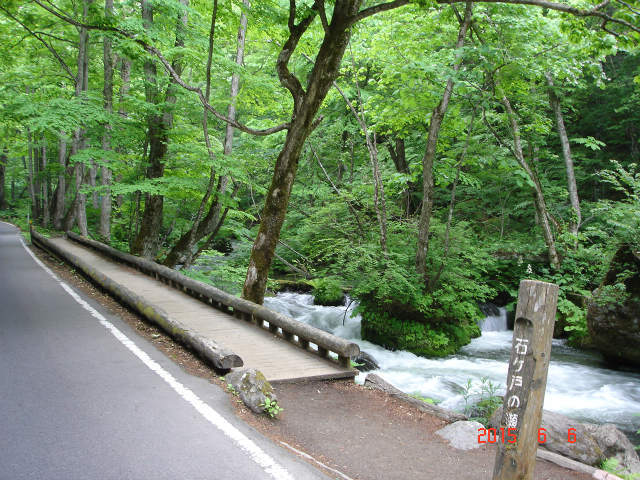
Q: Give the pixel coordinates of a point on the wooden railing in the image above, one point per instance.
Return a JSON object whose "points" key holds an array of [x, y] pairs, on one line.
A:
{"points": [[217, 355], [298, 333]]}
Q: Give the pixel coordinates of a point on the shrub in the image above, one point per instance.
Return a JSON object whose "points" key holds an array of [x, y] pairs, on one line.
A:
{"points": [[327, 291]]}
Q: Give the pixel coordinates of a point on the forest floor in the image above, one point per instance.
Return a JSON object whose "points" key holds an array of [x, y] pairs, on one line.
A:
{"points": [[346, 430]]}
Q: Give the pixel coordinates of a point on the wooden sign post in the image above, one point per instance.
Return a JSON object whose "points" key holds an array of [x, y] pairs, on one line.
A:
{"points": [[526, 380]]}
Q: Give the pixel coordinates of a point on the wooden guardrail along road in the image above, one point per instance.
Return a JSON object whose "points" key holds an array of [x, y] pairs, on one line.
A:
{"points": [[280, 349]]}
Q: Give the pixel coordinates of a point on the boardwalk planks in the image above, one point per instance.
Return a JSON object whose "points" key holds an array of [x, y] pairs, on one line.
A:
{"points": [[278, 359]]}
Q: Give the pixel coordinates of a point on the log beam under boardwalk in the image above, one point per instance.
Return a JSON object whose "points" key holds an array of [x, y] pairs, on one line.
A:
{"points": [[278, 359]]}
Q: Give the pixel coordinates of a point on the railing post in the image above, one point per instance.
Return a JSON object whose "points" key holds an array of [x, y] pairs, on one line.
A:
{"points": [[526, 380], [344, 361]]}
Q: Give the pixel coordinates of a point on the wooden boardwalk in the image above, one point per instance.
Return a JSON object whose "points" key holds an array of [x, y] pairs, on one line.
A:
{"points": [[276, 358]]}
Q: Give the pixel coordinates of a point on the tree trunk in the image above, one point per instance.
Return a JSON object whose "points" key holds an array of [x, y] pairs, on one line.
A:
{"points": [[273, 213], [435, 123], [379, 201], [576, 215], [306, 106], [125, 85], [3, 165], [58, 212], [81, 215], [70, 217], [452, 203], [399, 157], [183, 250], [37, 182], [77, 211], [93, 174], [46, 214], [81, 198], [104, 229], [539, 200], [32, 193], [146, 242]]}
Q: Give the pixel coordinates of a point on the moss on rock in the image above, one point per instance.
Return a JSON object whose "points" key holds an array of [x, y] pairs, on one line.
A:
{"points": [[405, 332]]}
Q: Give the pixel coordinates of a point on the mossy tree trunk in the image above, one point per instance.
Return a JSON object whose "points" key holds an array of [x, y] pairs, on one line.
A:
{"points": [[306, 106], [147, 242]]}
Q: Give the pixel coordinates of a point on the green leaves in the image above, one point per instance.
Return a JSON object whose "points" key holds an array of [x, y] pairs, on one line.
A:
{"points": [[623, 217], [589, 142]]}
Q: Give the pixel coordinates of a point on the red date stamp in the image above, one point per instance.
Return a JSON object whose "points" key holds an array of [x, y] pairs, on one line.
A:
{"points": [[502, 435]]}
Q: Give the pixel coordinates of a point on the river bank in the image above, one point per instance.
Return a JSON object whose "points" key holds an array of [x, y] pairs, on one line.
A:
{"points": [[580, 384]]}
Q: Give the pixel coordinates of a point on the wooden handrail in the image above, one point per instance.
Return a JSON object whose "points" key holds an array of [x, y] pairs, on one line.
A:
{"points": [[239, 307], [220, 357]]}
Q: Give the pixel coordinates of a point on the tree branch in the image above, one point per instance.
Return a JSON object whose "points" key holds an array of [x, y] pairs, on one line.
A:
{"points": [[634, 10], [601, 5], [495, 133], [560, 7], [287, 79], [381, 7], [323, 15], [292, 15], [66, 40], [66, 68], [335, 189], [170, 70]]}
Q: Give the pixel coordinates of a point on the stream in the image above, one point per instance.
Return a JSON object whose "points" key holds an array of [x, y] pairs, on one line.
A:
{"points": [[579, 384]]}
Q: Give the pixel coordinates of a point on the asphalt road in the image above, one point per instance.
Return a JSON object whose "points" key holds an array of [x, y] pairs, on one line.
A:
{"points": [[82, 400]]}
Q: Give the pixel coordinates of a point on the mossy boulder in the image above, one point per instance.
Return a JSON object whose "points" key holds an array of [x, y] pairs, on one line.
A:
{"points": [[292, 285], [252, 388], [613, 316], [409, 330]]}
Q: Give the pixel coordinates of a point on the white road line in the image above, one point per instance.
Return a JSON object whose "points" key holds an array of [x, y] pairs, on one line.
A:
{"points": [[309, 457], [258, 455]]}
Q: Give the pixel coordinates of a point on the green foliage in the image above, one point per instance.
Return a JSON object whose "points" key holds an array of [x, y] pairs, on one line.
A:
{"points": [[427, 339], [612, 294], [623, 217], [423, 399], [327, 291], [19, 216], [399, 312], [485, 400], [231, 389], [271, 407], [612, 465], [575, 319], [227, 276]]}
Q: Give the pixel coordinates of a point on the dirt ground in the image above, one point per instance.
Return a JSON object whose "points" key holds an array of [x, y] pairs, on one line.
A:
{"points": [[356, 432], [366, 434]]}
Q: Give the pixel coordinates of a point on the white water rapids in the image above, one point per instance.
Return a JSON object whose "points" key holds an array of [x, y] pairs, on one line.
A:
{"points": [[578, 384]]}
